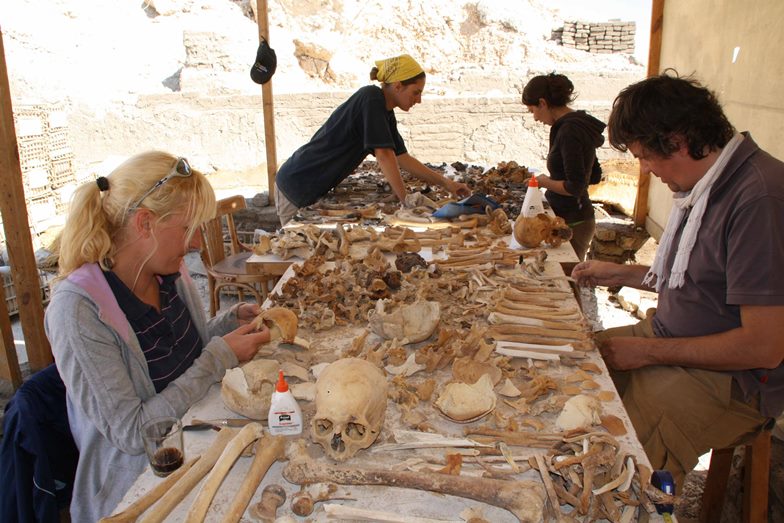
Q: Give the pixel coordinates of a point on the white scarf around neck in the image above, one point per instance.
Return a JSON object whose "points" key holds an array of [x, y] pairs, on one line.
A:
{"points": [[697, 201]]}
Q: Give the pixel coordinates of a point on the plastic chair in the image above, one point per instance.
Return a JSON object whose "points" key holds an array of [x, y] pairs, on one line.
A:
{"points": [[756, 474], [229, 270], [38, 456]]}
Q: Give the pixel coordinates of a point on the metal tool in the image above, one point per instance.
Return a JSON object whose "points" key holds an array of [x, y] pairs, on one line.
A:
{"points": [[217, 424]]}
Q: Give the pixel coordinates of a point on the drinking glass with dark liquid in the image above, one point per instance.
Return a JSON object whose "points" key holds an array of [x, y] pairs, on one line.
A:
{"points": [[163, 443]]}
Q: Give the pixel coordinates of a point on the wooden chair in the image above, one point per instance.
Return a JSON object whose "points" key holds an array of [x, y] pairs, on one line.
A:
{"points": [[229, 270], [756, 467]]}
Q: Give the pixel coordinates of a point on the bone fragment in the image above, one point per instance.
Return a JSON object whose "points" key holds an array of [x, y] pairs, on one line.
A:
{"points": [[272, 497], [507, 454], [623, 480], [566, 348], [534, 355], [249, 433], [525, 439], [292, 369], [136, 509], [524, 499], [538, 331], [412, 439], [508, 389], [548, 483], [269, 449], [346, 513], [499, 318], [409, 368], [538, 340], [189, 480], [304, 391]]}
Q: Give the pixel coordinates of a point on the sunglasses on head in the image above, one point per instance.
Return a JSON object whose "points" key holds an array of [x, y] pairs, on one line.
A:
{"points": [[181, 169]]}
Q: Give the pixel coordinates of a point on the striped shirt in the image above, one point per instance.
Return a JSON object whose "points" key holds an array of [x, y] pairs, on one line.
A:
{"points": [[168, 338]]}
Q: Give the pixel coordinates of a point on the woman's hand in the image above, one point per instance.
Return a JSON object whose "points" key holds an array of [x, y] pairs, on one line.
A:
{"points": [[458, 188], [245, 340], [247, 312]]}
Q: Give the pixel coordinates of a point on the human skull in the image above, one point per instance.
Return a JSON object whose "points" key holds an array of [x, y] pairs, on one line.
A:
{"points": [[247, 390], [532, 231], [351, 401]]}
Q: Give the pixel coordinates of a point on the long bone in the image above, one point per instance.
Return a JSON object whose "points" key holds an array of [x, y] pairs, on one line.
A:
{"points": [[499, 318], [524, 499], [537, 331], [189, 480], [538, 314], [269, 449], [249, 433], [136, 509], [546, 312]]}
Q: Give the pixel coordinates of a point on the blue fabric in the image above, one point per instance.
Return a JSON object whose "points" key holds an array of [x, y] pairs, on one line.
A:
{"points": [[474, 204], [38, 455]]}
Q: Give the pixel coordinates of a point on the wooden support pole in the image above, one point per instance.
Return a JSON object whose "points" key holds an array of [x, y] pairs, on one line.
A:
{"points": [[27, 284], [654, 63], [269, 112], [9, 364]]}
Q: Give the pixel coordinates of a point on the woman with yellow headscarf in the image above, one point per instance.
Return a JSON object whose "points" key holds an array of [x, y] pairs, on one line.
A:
{"points": [[364, 124]]}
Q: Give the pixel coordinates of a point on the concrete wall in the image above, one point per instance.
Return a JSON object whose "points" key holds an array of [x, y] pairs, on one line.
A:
{"points": [[227, 131], [700, 37]]}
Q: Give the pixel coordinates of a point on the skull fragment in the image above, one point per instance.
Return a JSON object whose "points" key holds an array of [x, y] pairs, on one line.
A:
{"points": [[351, 402]]}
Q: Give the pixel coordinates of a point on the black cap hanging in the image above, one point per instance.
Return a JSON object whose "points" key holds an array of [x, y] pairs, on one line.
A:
{"points": [[265, 65]]}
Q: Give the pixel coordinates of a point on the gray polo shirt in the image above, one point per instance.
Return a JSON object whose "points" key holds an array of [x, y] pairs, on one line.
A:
{"points": [[736, 261]]}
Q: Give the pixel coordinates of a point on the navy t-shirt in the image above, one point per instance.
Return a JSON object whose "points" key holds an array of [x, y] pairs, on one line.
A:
{"points": [[168, 338], [357, 127]]}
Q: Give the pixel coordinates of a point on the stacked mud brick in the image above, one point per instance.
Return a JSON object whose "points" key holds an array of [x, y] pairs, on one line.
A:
{"points": [[597, 37], [46, 159]]}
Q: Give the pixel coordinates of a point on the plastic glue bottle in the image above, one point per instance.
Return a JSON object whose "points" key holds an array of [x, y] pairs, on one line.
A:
{"points": [[532, 204], [285, 417]]}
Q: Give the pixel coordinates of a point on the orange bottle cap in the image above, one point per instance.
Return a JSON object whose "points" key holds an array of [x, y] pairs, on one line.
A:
{"points": [[532, 182], [281, 386]]}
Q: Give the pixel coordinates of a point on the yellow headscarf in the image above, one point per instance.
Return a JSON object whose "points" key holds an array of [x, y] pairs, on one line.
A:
{"points": [[397, 69]]}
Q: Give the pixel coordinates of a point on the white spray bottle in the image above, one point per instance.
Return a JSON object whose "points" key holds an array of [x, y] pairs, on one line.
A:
{"points": [[532, 204], [285, 417]]}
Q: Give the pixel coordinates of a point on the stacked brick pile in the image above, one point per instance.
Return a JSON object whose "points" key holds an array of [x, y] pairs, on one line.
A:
{"points": [[597, 37], [46, 159]]}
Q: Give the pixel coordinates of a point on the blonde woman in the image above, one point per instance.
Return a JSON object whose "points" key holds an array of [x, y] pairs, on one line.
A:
{"points": [[364, 124], [126, 324]]}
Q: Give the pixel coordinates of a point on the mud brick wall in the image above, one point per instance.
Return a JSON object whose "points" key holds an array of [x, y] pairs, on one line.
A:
{"points": [[597, 37]]}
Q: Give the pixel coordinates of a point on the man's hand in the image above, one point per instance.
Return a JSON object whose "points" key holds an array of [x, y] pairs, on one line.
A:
{"points": [[625, 353], [593, 272]]}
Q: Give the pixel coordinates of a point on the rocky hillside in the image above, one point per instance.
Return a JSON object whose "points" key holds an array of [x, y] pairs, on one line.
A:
{"points": [[174, 74], [101, 52]]}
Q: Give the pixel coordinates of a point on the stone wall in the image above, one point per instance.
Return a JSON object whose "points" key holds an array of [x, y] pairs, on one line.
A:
{"points": [[597, 37], [226, 131]]}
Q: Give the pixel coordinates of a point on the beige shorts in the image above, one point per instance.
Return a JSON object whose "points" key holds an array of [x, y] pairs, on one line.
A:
{"points": [[680, 413]]}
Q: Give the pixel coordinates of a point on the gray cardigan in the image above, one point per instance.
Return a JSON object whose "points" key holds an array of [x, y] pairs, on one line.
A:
{"points": [[108, 386]]}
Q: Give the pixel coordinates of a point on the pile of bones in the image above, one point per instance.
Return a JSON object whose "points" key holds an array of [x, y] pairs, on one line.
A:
{"points": [[471, 375]]}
